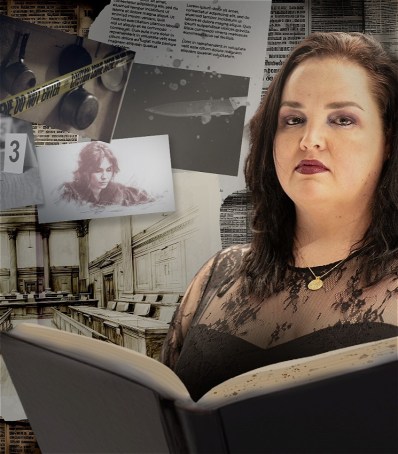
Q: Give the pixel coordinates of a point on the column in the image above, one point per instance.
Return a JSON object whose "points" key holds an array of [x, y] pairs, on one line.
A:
{"points": [[82, 234], [45, 234], [127, 255], [12, 236]]}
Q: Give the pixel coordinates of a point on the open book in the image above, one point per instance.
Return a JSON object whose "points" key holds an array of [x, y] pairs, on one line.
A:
{"points": [[87, 396]]}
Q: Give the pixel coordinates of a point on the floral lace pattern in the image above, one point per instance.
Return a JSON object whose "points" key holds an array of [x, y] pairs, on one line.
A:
{"points": [[219, 331]]}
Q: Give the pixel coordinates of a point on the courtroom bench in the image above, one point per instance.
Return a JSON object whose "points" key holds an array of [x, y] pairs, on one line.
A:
{"points": [[156, 306], [143, 334], [22, 309]]}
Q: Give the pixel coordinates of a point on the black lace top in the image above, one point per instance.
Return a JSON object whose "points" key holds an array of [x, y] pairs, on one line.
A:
{"points": [[219, 331]]}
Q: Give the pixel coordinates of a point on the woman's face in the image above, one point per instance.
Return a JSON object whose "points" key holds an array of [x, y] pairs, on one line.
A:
{"points": [[329, 145], [101, 177]]}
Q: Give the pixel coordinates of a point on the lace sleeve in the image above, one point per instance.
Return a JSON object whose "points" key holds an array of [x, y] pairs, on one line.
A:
{"points": [[183, 316]]}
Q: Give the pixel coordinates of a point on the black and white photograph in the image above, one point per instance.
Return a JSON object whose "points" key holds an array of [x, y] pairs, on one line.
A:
{"points": [[84, 102], [203, 113], [20, 183], [95, 179]]}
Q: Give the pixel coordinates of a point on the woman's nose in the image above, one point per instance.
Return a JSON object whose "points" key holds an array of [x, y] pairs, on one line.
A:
{"points": [[313, 138]]}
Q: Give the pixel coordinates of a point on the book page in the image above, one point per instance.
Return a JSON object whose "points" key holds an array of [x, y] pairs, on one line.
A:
{"points": [[381, 20], [57, 14], [288, 374], [326, 16], [288, 26], [45, 135], [224, 37], [197, 74]]}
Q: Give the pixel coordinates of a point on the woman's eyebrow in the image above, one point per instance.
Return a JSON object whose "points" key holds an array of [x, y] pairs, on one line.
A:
{"points": [[291, 104], [339, 105], [332, 105]]}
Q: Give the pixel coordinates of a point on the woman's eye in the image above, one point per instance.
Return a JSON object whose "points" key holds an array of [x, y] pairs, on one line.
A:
{"points": [[292, 121], [109, 169], [343, 121]]}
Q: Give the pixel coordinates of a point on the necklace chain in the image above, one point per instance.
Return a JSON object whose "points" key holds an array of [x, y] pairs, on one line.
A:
{"points": [[317, 282], [327, 272]]}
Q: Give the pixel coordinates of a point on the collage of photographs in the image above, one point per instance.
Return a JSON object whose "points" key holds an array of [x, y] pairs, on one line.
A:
{"points": [[191, 191]]}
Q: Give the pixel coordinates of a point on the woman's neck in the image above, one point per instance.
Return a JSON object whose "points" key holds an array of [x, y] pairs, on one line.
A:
{"points": [[96, 193], [322, 239]]}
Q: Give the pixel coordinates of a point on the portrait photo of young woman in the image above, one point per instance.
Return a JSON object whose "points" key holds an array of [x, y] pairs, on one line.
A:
{"points": [[94, 183], [96, 179]]}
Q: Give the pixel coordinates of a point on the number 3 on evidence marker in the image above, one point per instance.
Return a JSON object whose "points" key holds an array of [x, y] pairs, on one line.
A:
{"points": [[15, 148]]}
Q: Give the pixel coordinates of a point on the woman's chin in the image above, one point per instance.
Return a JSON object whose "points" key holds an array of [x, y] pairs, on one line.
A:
{"points": [[311, 198]]}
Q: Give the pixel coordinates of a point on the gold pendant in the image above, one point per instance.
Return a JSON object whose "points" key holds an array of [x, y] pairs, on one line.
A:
{"points": [[315, 284]]}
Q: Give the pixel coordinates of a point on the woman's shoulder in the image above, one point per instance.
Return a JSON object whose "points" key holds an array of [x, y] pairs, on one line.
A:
{"points": [[229, 260], [69, 191], [129, 195], [234, 252], [223, 268]]}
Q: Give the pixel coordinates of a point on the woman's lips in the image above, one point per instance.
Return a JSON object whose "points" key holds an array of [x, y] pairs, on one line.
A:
{"points": [[310, 166]]}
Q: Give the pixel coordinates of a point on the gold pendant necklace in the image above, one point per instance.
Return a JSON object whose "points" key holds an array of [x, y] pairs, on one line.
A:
{"points": [[317, 282]]}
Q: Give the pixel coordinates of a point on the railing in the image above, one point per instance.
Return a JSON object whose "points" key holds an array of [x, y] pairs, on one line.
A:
{"points": [[5, 321], [66, 323]]}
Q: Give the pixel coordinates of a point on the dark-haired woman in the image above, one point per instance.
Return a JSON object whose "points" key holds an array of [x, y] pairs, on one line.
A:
{"points": [[93, 180], [321, 272]]}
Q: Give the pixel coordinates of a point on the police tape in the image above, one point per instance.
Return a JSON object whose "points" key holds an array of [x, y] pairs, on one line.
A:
{"points": [[25, 100]]}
